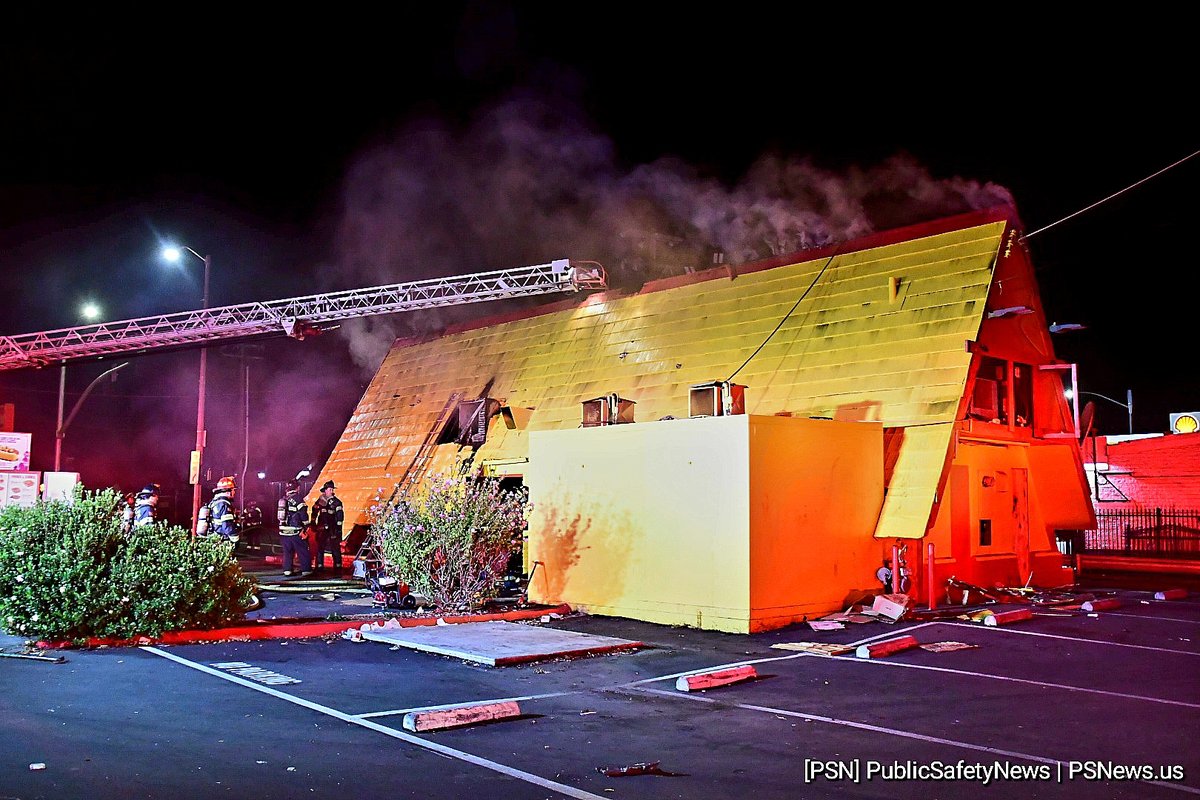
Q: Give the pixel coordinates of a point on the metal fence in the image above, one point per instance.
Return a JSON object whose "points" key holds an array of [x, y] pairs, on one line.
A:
{"points": [[1146, 533]]}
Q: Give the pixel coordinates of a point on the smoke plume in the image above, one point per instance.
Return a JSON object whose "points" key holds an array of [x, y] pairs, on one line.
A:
{"points": [[528, 180]]}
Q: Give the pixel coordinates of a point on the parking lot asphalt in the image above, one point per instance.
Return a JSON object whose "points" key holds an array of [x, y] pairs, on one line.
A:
{"points": [[1064, 704]]}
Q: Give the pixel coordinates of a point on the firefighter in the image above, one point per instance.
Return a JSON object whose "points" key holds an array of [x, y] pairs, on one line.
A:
{"points": [[252, 522], [145, 506], [328, 515], [221, 519], [293, 518], [127, 513]]}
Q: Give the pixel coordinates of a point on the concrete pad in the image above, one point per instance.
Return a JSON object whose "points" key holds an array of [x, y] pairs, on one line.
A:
{"points": [[498, 642]]}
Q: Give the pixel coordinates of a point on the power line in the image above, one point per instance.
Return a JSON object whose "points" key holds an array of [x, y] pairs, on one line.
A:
{"points": [[1111, 196], [795, 306]]}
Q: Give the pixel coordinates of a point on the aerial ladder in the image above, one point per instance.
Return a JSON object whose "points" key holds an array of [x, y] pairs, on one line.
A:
{"points": [[297, 317]]}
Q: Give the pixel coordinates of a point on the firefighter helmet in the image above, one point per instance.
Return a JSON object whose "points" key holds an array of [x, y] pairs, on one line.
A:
{"points": [[226, 484], [328, 485], [151, 488], [293, 485]]}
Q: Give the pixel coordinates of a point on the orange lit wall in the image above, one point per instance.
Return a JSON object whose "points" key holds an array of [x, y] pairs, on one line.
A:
{"points": [[739, 524], [1026, 492]]}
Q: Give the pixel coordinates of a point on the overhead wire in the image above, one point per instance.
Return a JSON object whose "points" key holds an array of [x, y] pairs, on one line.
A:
{"points": [[1111, 196], [785, 318]]}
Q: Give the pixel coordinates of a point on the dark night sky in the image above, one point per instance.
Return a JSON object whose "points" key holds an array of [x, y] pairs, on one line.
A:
{"points": [[335, 152]]}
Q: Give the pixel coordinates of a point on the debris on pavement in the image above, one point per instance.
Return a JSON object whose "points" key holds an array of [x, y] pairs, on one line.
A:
{"points": [[946, 647], [892, 606], [854, 613], [819, 648], [1063, 596], [37, 766], [648, 768], [32, 657], [825, 625]]}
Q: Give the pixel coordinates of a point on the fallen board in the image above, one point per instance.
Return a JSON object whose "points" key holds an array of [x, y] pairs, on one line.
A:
{"points": [[497, 643]]}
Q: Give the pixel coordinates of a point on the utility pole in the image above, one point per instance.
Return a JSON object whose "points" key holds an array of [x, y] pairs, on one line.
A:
{"points": [[198, 460]]}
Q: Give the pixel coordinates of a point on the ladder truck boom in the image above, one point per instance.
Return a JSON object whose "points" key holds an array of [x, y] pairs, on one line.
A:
{"points": [[294, 317]]}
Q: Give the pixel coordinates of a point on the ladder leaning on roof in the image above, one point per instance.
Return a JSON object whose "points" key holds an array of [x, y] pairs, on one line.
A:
{"points": [[370, 553]]}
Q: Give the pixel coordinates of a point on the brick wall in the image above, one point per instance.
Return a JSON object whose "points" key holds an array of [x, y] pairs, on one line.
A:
{"points": [[1159, 472]]}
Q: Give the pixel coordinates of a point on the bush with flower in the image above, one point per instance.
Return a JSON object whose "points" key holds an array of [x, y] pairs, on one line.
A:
{"points": [[451, 538], [69, 571]]}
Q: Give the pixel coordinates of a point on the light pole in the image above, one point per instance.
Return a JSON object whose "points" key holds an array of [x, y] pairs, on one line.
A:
{"points": [[1127, 405], [60, 432], [245, 353], [173, 254]]}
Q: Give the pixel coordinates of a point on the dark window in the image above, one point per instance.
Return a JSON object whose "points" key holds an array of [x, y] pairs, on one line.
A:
{"points": [[985, 533], [1022, 382], [451, 431], [991, 389]]}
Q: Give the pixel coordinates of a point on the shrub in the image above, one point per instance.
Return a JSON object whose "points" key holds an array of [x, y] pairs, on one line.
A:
{"points": [[67, 571], [452, 539]]}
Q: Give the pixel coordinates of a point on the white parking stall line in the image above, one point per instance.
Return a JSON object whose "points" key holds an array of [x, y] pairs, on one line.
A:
{"points": [[1046, 684], [441, 749], [446, 706], [1190, 600], [1147, 616], [765, 660], [1085, 640], [889, 732]]}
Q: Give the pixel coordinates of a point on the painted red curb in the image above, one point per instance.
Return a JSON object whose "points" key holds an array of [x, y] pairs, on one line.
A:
{"points": [[886, 648], [299, 630], [1171, 594], [1006, 617], [711, 680], [1103, 604], [421, 721]]}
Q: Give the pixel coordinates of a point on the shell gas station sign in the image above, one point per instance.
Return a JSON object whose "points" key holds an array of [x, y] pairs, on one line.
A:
{"points": [[1185, 422]]}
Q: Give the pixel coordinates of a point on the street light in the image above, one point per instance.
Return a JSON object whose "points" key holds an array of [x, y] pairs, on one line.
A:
{"points": [[60, 432], [174, 254], [1127, 405]]}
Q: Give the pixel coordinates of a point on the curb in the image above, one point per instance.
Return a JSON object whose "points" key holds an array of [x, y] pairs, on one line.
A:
{"points": [[887, 647], [298, 630], [1103, 604], [420, 721], [1006, 617], [711, 680]]}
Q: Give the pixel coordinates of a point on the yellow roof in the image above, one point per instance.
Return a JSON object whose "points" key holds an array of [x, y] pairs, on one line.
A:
{"points": [[878, 334]]}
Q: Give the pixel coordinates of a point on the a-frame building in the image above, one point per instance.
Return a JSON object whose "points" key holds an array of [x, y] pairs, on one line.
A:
{"points": [[900, 388]]}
